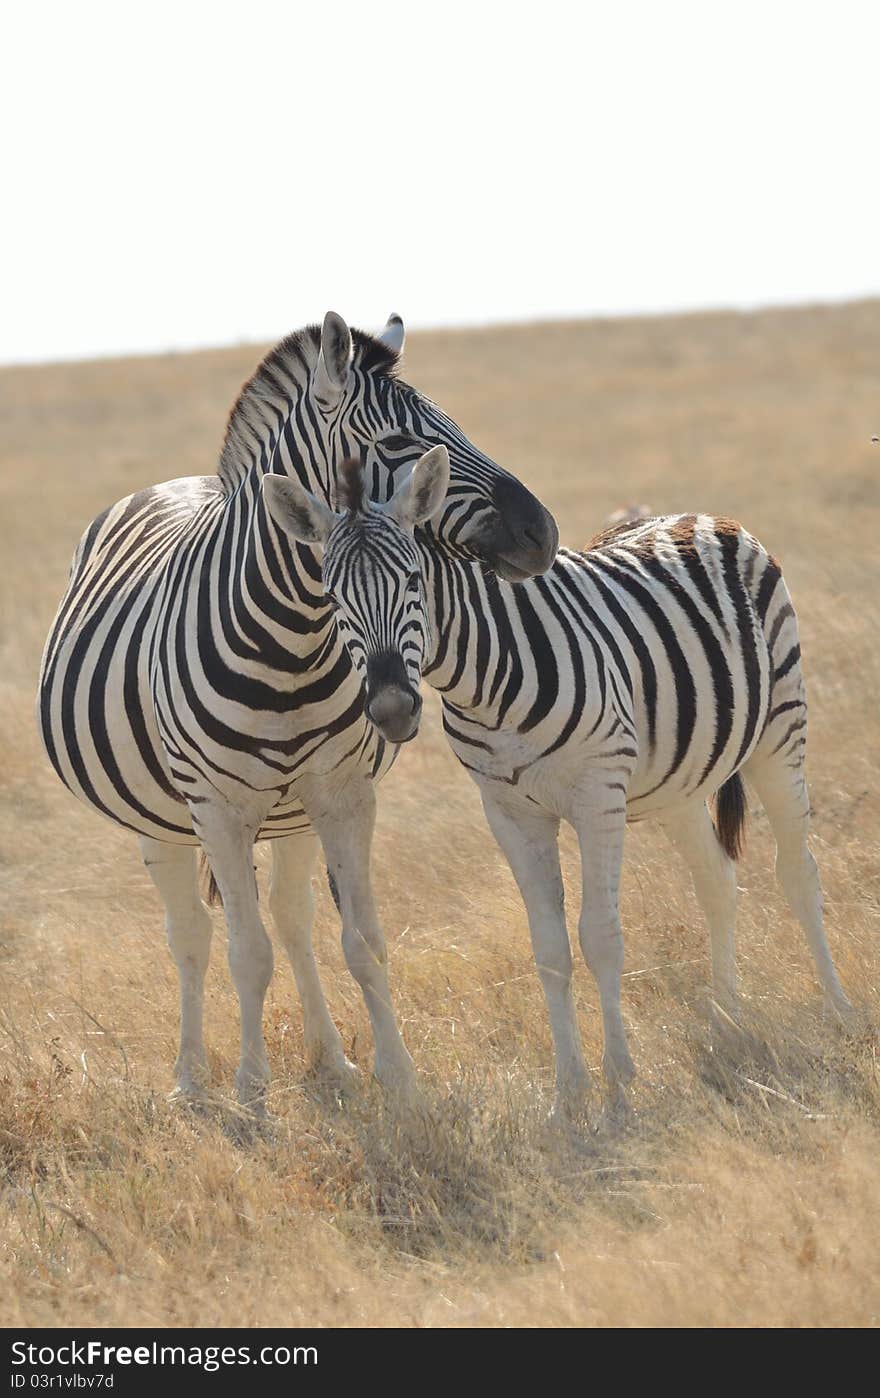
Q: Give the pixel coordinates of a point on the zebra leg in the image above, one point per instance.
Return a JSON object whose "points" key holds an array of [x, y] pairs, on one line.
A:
{"points": [[778, 778], [691, 831], [600, 830], [344, 819], [188, 927], [229, 845], [528, 840], [293, 908]]}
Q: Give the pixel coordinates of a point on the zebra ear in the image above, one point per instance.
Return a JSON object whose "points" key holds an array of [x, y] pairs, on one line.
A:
{"points": [[393, 335], [423, 491], [330, 378], [299, 513]]}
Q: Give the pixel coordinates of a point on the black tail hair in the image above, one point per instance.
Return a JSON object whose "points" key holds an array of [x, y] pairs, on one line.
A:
{"points": [[334, 889], [731, 813], [210, 891]]}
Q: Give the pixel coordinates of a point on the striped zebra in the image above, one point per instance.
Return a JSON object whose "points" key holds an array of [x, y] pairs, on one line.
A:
{"points": [[195, 689], [639, 678]]}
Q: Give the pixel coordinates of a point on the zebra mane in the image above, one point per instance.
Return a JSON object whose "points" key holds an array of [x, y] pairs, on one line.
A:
{"points": [[268, 397], [350, 486]]}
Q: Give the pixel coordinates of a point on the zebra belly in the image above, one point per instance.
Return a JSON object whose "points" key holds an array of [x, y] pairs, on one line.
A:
{"points": [[675, 758], [514, 763]]}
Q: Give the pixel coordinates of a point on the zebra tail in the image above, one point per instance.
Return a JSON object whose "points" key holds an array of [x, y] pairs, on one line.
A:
{"points": [[334, 889], [210, 891], [731, 813]]}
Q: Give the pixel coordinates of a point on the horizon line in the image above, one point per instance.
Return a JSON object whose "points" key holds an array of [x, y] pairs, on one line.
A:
{"points": [[743, 308]]}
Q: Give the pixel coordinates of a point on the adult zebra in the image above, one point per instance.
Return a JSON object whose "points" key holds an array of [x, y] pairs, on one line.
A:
{"points": [[635, 679], [194, 687]]}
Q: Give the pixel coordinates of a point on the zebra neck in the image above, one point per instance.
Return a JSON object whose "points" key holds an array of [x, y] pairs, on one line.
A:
{"points": [[453, 655], [271, 589]]}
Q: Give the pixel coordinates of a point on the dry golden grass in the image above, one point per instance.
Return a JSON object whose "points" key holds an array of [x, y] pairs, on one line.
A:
{"points": [[746, 1190]]}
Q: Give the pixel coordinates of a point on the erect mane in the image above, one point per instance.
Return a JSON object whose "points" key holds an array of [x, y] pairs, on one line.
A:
{"points": [[266, 400], [350, 486]]}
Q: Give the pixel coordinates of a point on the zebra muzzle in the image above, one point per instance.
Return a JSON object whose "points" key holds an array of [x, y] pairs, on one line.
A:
{"points": [[394, 705], [395, 713]]}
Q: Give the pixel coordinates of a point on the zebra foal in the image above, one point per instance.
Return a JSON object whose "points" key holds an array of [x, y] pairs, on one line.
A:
{"points": [[636, 679]]}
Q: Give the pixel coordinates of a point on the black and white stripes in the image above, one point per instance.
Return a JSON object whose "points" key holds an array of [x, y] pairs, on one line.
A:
{"points": [[211, 679], [195, 686], [638, 678]]}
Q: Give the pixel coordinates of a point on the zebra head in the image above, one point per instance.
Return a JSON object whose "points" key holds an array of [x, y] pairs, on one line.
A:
{"points": [[370, 413], [372, 576]]}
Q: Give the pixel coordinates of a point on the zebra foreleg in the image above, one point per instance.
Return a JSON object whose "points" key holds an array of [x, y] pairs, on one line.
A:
{"points": [[344, 820], [690, 829], [229, 845], [188, 927], [293, 908], [600, 823], [528, 840]]}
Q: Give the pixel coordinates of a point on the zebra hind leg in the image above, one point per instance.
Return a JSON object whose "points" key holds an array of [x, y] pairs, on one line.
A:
{"points": [[778, 778], [691, 832], [293, 909], [188, 927]]}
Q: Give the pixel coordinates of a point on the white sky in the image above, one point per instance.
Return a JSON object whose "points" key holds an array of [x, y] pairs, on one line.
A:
{"points": [[180, 174]]}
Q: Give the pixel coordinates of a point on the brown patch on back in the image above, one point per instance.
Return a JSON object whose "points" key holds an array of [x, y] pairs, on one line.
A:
{"points": [[681, 534], [726, 527], [617, 534]]}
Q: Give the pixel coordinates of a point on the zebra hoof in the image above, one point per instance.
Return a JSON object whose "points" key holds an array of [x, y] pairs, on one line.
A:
{"points": [[193, 1087], [617, 1114], [570, 1105], [336, 1072], [842, 1014], [252, 1089], [726, 1035], [190, 1097], [619, 1071], [401, 1090]]}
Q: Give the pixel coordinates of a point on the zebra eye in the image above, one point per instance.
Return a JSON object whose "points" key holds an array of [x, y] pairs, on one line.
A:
{"points": [[415, 578], [397, 441]]}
